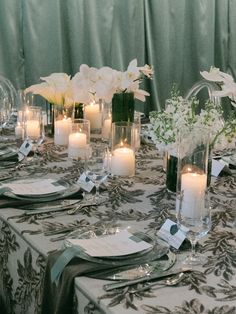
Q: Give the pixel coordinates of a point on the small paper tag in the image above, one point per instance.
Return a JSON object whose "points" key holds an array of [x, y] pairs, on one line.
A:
{"points": [[171, 234], [25, 148], [217, 167], [85, 183]]}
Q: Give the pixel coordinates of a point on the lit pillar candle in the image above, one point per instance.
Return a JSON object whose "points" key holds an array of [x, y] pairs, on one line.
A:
{"points": [[106, 128], [19, 131], [62, 131], [33, 129], [193, 186], [93, 114], [123, 162], [77, 144]]}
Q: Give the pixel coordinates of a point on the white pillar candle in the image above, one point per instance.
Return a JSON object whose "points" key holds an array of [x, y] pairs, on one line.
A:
{"points": [[19, 131], [123, 162], [193, 186], [33, 129], [77, 139], [77, 144], [106, 128], [62, 130], [93, 114]]}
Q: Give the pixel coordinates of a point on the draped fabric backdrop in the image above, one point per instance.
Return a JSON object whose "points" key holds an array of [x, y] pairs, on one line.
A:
{"points": [[178, 37]]}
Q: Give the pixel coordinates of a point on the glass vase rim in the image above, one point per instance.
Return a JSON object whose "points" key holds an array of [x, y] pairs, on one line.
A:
{"points": [[123, 123], [123, 92]]}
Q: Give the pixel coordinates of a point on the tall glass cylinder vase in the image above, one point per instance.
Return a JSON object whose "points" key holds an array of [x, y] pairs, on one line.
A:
{"points": [[171, 171], [63, 115], [123, 107], [106, 122], [123, 149], [192, 200]]}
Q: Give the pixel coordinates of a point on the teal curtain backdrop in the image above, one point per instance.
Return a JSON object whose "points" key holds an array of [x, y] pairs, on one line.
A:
{"points": [[178, 37]]}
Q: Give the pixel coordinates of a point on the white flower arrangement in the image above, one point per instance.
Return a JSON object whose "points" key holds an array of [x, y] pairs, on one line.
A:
{"points": [[181, 115], [92, 84]]}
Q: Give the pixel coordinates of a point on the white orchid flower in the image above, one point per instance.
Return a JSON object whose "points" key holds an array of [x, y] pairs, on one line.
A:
{"points": [[228, 86], [132, 72], [147, 70], [140, 94], [228, 90], [80, 89], [215, 75]]}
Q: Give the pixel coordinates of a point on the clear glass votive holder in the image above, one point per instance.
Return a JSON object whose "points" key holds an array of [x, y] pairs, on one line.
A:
{"points": [[19, 128], [79, 139], [93, 113], [123, 149], [33, 124], [137, 128], [106, 122], [62, 123]]}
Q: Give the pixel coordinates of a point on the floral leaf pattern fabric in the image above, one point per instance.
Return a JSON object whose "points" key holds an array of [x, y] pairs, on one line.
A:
{"points": [[142, 201]]}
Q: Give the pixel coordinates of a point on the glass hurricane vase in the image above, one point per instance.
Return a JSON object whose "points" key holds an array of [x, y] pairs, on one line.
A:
{"points": [[123, 107], [63, 115], [192, 199]]}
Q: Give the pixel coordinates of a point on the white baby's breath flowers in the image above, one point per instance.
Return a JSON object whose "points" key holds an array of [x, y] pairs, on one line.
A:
{"points": [[181, 116]]}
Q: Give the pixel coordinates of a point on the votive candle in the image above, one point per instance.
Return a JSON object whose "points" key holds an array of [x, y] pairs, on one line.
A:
{"points": [[33, 129], [123, 162], [77, 144], [93, 114]]}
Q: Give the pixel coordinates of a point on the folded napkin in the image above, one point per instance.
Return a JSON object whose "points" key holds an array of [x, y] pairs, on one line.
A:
{"points": [[9, 157], [15, 203], [58, 298]]}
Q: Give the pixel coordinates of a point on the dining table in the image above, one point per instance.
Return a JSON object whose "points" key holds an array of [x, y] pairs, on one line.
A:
{"points": [[33, 237]]}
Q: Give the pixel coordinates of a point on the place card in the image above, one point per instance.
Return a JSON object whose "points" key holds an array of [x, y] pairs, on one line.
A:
{"points": [[25, 148], [119, 244], [171, 234], [218, 166], [85, 183]]}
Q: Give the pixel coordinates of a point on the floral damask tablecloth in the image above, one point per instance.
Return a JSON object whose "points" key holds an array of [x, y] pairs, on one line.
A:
{"points": [[142, 202]]}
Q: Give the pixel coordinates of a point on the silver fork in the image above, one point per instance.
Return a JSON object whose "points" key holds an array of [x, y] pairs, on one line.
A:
{"points": [[171, 281]]}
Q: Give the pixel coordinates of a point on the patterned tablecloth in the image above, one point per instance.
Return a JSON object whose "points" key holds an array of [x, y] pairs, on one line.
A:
{"points": [[142, 202]]}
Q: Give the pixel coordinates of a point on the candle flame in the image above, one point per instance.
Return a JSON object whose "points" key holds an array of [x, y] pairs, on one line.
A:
{"points": [[92, 103], [123, 143]]}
